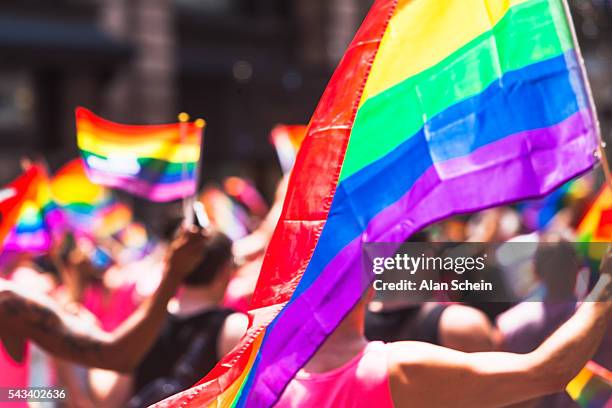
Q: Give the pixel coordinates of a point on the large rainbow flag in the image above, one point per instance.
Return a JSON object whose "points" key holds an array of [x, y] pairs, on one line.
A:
{"points": [[437, 108], [39, 218], [156, 162], [12, 198]]}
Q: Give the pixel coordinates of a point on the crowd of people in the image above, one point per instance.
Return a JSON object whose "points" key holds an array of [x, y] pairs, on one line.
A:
{"points": [[129, 334]]}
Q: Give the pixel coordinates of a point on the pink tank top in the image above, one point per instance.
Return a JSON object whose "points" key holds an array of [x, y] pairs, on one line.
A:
{"points": [[113, 310], [362, 382], [14, 374]]}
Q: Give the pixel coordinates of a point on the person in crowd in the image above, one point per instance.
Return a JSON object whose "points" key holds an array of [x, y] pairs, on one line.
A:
{"points": [[395, 316], [27, 315], [87, 292], [198, 332], [249, 252], [455, 326], [349, 371], [525, 326], [19, 361]]}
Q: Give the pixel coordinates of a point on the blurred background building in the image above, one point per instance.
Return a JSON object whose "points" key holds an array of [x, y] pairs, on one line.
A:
{"points": [[243, 65]]}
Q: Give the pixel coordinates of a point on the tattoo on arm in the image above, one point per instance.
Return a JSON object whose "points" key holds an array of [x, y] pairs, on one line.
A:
{"points": [[44, 324]]}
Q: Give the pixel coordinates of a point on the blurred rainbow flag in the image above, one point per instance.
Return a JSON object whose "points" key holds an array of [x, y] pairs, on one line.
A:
{"points": [[78, 197], [537, 214], [112, 219], [226, 215], [134, 236], [245, 192], [596, 225], [156, 162], [592, 387], [287, 140], [595, 229], [39, 219], [12, 198]]}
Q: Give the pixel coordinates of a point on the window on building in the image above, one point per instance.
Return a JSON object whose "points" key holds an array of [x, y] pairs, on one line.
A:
{"points": [[212, 7], [16, 102]]}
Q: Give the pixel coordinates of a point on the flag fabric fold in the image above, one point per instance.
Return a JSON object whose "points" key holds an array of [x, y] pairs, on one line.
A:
{"points": [[437, 108]]}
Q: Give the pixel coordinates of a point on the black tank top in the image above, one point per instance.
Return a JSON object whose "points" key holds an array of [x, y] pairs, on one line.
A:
{"points": [[184, 352]]}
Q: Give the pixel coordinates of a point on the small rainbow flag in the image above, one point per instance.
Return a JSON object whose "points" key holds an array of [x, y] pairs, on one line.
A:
{"points": [[111, 219], [592, 387], [245, 192], [596, 225], [12, 198], [537, 214], [224, 213], [134, 236], [156, 162], [287, 140], [595, 228], [39, 219], [78, 197], [437, 108]]}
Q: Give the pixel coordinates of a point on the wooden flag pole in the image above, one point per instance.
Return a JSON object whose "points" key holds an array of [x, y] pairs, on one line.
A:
{"points": [[601, 144]]}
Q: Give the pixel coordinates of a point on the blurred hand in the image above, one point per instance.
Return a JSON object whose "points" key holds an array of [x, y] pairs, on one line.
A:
{"points": [[185, 253]]}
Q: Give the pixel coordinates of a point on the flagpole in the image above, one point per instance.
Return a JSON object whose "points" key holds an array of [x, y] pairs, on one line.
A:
{"points": [[601, 144], [187, 201], [201, 125]]}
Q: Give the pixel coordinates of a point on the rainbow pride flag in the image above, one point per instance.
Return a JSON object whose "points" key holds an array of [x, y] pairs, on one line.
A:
{"points": [[78, 197], [592, 387], [287, 140], [111, 219], [156, 162], [39, 219], [12, 198], [596, 225], [595, 229], [437, 108], [134, 236], [224, 214], [245, 192], [537, 214]]}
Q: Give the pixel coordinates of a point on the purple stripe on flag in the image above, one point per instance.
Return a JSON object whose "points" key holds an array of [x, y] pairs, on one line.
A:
{"points": [[141, 188]]}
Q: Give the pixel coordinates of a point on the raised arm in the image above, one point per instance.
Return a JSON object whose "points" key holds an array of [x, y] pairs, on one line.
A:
{"points": [[39, 318], [424, 375]]}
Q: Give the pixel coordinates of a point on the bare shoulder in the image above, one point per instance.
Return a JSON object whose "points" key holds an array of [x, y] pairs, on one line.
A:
{"points": [[233, 329], [235, 326]]}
